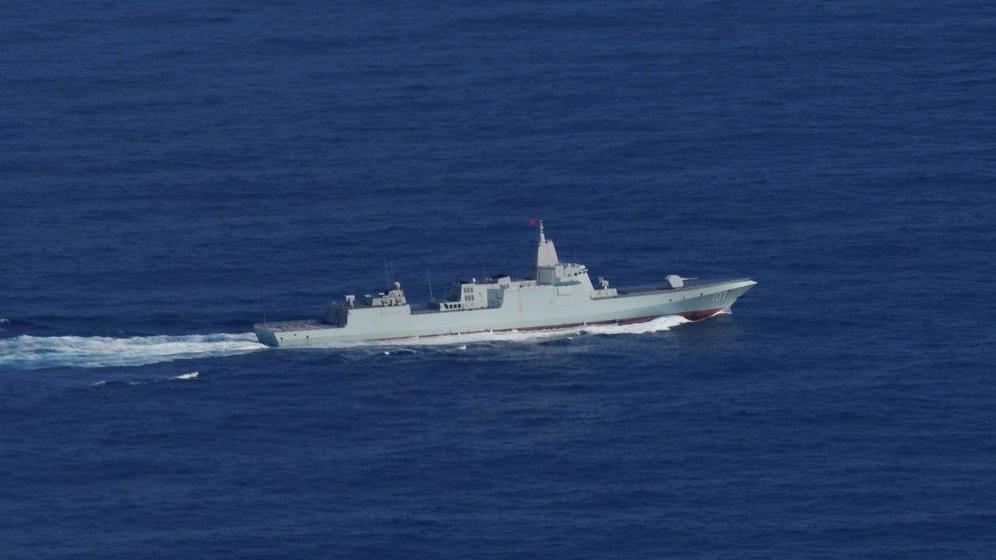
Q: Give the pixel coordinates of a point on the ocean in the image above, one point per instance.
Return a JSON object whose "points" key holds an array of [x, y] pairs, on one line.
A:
{"points": [[171, 173]]}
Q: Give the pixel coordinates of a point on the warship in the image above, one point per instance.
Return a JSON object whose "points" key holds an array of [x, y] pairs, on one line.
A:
{"points": [[560, 295]]}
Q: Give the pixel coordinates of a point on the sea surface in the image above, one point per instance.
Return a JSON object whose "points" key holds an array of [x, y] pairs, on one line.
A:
{"points": [[171, 173]]}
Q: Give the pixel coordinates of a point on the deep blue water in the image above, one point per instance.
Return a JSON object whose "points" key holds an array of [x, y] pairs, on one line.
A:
{"points": [[172, 172]]}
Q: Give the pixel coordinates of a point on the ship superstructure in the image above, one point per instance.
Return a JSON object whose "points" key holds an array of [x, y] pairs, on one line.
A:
{"points": [[560, 295]]}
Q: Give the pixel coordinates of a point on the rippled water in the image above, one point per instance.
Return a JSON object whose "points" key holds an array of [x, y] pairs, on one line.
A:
{"points": [[170, 175]]}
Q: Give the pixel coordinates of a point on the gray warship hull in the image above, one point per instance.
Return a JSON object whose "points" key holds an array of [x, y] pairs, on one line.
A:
{"points": [[523, 308], [559, 296]]}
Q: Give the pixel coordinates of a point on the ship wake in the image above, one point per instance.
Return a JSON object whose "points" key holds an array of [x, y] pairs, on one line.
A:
{"points": [[654, 325], [37, 352]]}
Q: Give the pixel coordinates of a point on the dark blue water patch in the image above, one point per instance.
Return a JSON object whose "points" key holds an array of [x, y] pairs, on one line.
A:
{"points": [[181, 173]]}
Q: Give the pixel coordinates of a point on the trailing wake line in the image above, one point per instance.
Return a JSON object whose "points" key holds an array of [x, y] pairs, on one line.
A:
{"points": [[36, 352]]}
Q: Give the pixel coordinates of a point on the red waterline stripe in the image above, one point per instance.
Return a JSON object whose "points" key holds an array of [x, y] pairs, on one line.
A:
{"points": [[699, 315]]}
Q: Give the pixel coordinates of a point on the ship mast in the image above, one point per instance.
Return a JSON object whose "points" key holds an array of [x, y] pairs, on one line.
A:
{"points": [[546, 254]]}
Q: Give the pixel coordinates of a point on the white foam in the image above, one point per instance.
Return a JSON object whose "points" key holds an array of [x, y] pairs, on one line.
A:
{"points": [[665, 323], [191, 375], [34, 352], [654, 325]]}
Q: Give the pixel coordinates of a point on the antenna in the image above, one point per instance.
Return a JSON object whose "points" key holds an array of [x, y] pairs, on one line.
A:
{"points": [[429, 280]]}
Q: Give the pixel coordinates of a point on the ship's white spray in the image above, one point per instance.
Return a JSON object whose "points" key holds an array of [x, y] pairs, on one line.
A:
{"points": [[36, 352], [461, 340]]}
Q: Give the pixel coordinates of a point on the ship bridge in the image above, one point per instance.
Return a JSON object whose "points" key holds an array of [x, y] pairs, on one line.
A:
{"points": [[549, 271]]}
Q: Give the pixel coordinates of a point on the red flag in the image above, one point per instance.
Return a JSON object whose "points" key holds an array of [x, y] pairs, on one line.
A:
{"points": [[532, 221]]}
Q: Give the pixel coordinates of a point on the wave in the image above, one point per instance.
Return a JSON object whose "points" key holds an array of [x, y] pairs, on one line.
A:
{"points": [[111, 382], [655, 325], [37, 352], [665, 323]]}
